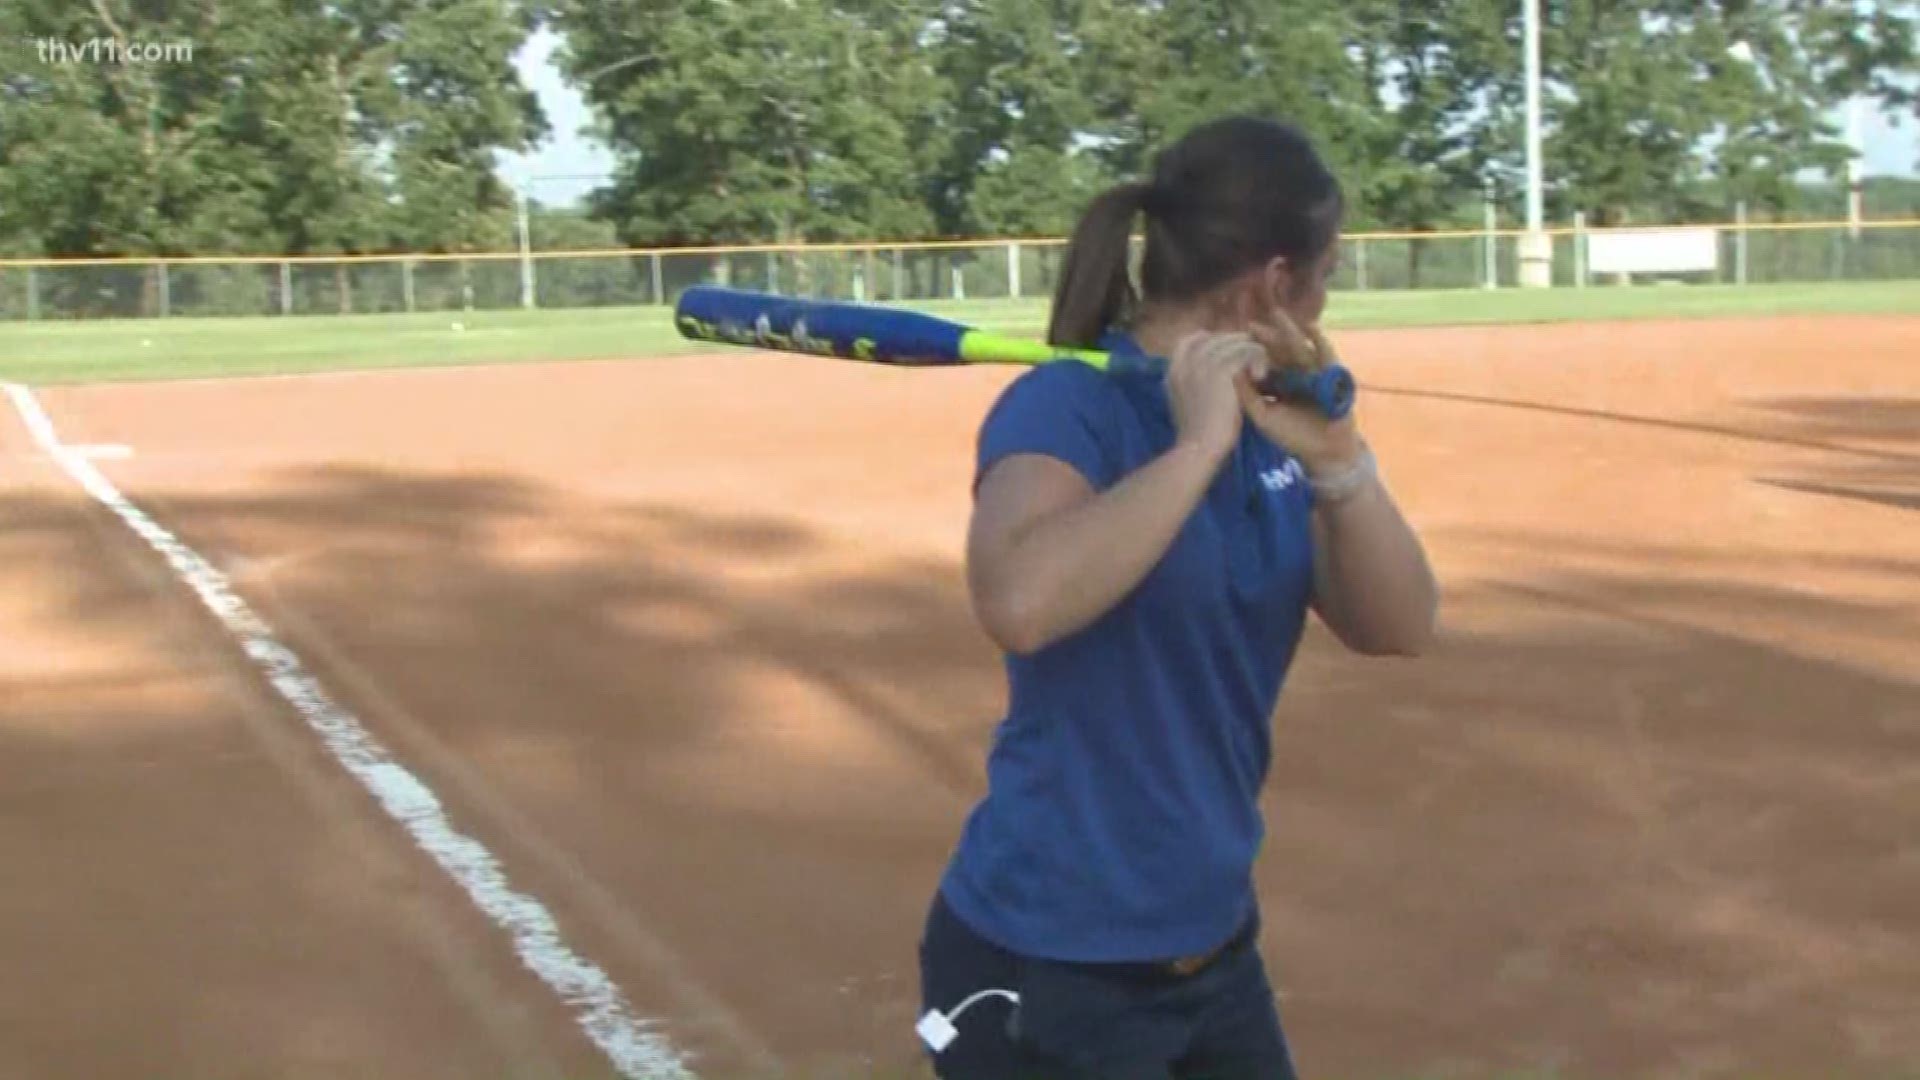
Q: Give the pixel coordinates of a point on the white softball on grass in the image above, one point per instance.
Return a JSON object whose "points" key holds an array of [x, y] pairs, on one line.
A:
{"points": [[459, 325]]}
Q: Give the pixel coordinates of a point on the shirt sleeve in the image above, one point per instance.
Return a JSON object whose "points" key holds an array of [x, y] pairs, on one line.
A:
{"points": [[1060, 409]]}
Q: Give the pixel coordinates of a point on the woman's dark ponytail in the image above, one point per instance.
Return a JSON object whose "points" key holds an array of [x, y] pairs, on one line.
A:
{"points": [[1225, 198], [1096, 285]]}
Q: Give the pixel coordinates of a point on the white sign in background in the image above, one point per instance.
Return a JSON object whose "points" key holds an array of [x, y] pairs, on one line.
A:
{"points": [[1659, 251]]}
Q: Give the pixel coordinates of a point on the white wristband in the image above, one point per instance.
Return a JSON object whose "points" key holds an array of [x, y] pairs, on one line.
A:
{"points": [[1347, 483]]}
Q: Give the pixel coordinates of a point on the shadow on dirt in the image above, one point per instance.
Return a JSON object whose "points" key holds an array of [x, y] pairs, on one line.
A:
{"points": [[1593, 833], [745, 733], [1791, 432], [1893, 483], [1872, 439], [192, 886], [1597, 834], [1878, 419]]}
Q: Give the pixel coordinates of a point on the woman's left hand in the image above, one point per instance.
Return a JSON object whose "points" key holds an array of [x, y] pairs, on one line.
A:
{"points": [[1322, 445], [1372, 585]]}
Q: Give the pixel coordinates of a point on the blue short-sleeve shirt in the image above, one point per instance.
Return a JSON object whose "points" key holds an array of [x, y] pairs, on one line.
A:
{"points": [[1122, 817]]}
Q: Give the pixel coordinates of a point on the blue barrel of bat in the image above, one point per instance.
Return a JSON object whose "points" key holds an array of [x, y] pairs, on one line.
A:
{"points": [[889, 335]]}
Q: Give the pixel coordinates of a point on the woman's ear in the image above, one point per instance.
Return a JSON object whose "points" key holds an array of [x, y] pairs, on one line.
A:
{"points": [[1278, 282], [1256, 294]]}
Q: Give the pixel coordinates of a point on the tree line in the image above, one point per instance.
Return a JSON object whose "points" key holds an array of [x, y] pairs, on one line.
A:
{"points": [[330, 126]]}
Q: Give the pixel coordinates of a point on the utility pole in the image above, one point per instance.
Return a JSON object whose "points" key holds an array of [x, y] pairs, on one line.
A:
{"points": [[1856, 142], [1536, 247], [526, 249]]}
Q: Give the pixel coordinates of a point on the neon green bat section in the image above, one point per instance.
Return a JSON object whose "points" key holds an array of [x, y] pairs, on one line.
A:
{"points": [[980, 347]]}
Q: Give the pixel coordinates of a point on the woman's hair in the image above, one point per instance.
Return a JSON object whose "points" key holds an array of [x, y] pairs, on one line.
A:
{"points": [[1227, 197]]}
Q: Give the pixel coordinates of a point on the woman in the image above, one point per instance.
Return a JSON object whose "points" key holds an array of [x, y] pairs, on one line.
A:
{"points": [[1146, 550]]}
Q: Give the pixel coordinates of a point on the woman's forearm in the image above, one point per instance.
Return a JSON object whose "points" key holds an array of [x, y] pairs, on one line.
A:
{"points": [[1375, 588], [1067, 568]]}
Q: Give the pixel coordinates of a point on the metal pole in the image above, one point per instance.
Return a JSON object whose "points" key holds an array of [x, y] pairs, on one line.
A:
{"points": [[1740, 242], [1855, 194], [406, 281], [1536, 177], [659, 293], [1013, 270], [1580, 249], [33, 294], [286, 290], [1536, 248], [1491, 277], [526, 252], [1360, 264], [166, 290]]}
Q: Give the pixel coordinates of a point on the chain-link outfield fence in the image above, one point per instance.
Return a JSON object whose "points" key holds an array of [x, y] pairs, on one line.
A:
{"points": [[987, 269]]}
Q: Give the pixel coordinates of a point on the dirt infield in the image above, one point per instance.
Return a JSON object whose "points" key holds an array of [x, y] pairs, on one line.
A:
{"points": [[684, 645]]}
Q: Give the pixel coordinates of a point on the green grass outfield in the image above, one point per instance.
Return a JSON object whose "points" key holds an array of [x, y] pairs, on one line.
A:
{"points": [[127, 350]]}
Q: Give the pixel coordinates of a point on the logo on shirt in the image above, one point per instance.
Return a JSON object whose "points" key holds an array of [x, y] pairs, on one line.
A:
{"points": [[1282, 477]]}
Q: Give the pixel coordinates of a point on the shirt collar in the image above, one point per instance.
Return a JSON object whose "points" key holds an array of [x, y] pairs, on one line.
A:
{"points": [[1148, 392], [1119, 340]]}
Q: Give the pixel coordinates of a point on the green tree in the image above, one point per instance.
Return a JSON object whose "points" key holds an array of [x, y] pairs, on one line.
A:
{"points": [[1645, 97], [1016, 162], [743, 120], [1163, 68], [294, 126], [1428, 142], [563, 228], [439, 88], [98, 156], [1032, 190]]}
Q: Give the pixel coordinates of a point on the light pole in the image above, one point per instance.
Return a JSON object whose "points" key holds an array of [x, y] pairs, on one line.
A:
{"points": [[526, 248], [1536, 247], [1857, 140], [524, 226], [1856, 146]]}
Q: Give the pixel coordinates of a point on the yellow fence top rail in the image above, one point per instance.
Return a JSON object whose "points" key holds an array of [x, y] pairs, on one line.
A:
{"points": [[873, 246]]}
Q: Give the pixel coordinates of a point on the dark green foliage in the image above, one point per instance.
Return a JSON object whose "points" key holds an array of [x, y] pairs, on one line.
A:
{"points": [[1014, 113], [368, 125], [757, 119], [1647, 98], [294, 126]]}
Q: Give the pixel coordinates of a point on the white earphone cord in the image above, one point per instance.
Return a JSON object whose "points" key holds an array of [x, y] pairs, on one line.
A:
{"points": [[937, 1029]]}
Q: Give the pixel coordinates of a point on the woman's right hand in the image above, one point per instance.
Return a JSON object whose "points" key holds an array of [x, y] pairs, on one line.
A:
{"points": [[1200, 383]]}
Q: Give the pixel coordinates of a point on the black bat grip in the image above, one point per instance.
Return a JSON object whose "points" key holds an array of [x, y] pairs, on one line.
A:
{"points": [[1329, 390]]}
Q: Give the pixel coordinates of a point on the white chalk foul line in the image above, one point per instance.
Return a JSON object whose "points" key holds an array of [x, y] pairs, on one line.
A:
{"points": [[599, 1007]]}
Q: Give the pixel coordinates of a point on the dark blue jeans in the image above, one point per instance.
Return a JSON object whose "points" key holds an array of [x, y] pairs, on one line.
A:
{"points": [[1100, 1021]]}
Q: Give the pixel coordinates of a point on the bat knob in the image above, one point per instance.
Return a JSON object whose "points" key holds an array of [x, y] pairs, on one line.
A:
{"points": [[1334, 392], [1331, 390]]}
